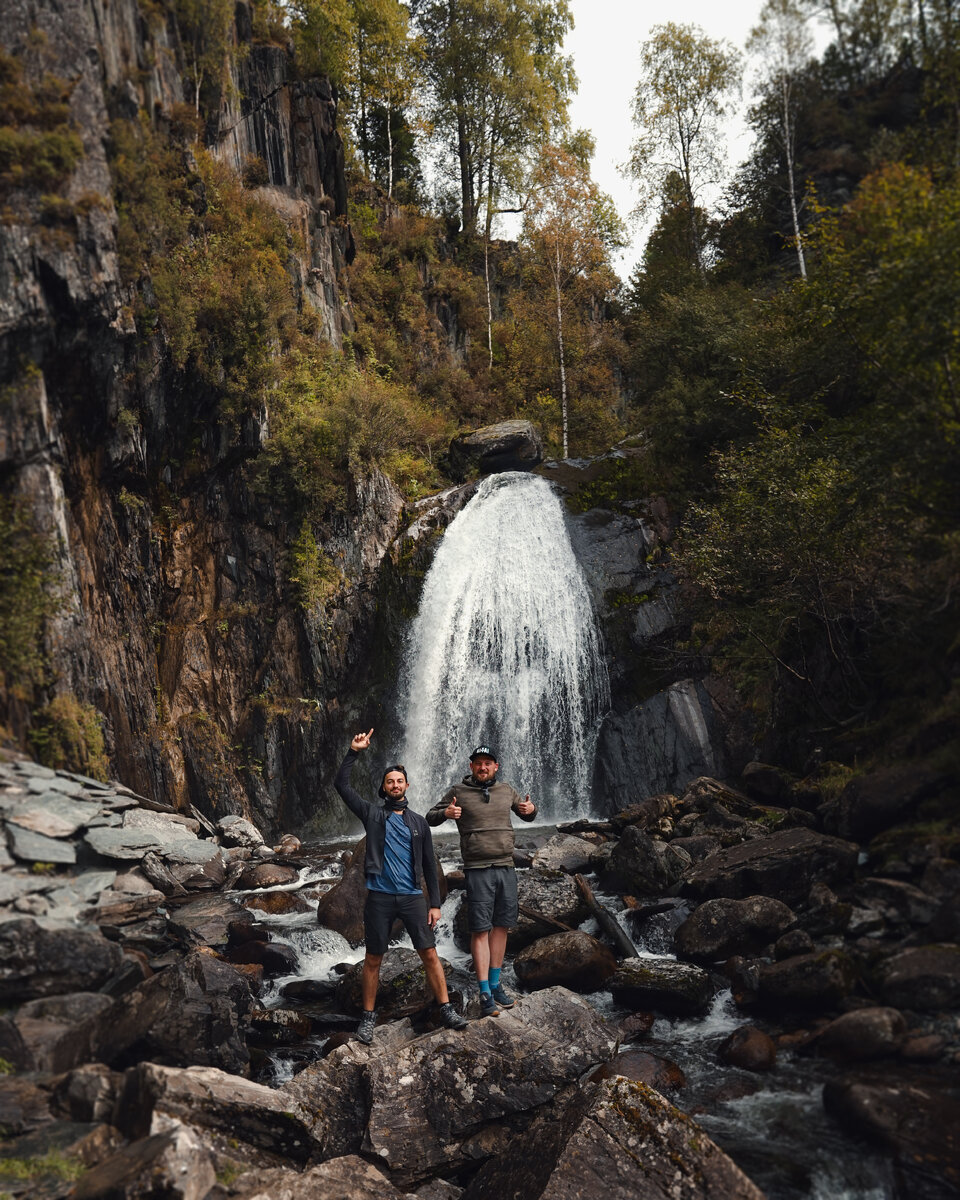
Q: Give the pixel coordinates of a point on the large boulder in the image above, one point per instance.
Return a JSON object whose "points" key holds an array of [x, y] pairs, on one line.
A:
{"points": [[673, 988], [644, 865], [35, 961], [403, 990], [719, 928], [873, 802], [574, 960], [643, 1067], [341, 908], [808, 981], [565, 852], [621, 1140], [413, 1108], [174, 1163], [860, 1035], [211, 921], [190, 1014], [506, 446], [914, 1118], [926, 978], [784, 865], [346, 1178], [748, 1048]]}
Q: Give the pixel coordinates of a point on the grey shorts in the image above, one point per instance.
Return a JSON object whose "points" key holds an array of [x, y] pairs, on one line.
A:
{"points": [[491, 898], [380, 912]]}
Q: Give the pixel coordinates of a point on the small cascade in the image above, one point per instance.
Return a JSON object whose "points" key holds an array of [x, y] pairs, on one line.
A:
{"points": [[506, 651]]}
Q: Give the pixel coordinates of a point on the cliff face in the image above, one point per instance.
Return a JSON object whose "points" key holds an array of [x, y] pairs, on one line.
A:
{"points": [[174, 620]]}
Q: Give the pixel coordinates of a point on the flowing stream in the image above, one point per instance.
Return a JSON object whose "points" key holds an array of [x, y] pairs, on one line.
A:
{"points": [[506, 651]]}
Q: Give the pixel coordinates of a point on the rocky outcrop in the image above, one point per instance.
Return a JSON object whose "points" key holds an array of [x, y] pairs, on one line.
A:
{"points": [[719, 928], [672, 988], [506, 446], [574, 960]]}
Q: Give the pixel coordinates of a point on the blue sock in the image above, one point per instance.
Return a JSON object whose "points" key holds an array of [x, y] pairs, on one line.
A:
{"points": [[485, 986], [494, 977]]}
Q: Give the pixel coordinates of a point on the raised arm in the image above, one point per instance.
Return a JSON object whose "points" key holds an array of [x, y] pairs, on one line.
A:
{"points": [[525, 809], [352, 798], [445, 809]]}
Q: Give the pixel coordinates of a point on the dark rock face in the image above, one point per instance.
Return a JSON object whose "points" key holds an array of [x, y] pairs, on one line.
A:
{"points": [[550, 893], [718, 928], [414, 1107], [506, 446], [403, 990], [818, 980], [624, 1141], [876, 801], [918, 1121], [926, 978], [862, 1034], [785, 865], [347, 1178], [749, 1048], [574, 960], [48, 962], [644, 865], [341, 909], [676, 989]]}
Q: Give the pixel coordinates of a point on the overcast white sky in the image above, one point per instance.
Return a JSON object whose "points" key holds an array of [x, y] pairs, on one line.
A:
{"points": [[605, 45]]}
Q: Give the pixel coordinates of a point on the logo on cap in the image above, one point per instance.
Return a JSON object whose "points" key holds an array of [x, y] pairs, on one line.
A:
{"points": [[483, 752]]}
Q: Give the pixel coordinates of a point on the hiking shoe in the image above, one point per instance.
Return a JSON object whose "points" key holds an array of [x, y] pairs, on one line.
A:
{"points": [[368, 1022], [488, 1006], [503, 999], [450, 1018]]}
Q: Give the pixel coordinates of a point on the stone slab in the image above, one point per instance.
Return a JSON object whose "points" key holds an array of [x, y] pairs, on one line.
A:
{"points": [[67, 787], [28, 846], [122, 843]]}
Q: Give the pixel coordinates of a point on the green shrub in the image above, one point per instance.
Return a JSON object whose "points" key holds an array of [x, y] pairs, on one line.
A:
{"points": [[68, 735], [27, 597]]}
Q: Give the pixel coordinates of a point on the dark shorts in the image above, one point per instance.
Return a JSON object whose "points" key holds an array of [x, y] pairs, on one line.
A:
{"points": [[380, 912], [491, 898]]}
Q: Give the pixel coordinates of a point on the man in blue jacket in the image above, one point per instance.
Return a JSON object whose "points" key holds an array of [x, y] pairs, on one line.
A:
{"points": [[399, 860]]}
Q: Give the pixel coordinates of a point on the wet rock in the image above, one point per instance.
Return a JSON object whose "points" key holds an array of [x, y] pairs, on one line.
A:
{"points": [[927, 1048], [644, 865], [310, 989], [239, 832], [919, 1123], [819, 980], [785, 865], [211, 921], [564, 852], [797, 941], [552, 894], [643, 1067], [277, 1027], [341, 908], [346, 1178], [505, 446], [288, 844], [403, 990], [873, 802], [189, 1014], [276, 958], [646, 814], [211, 1099], [672, 988], [619, 1139], [657, 746], [574, 960], [420, 1102], [265, 875], [278, 903], [926, 978], [861, 1035], [38, 962], [719, 928], [748, 1048], [174, 1164]]}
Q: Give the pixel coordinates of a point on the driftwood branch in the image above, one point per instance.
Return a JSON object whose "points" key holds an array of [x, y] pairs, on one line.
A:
{"points": [[607, 921], [542, 917]]}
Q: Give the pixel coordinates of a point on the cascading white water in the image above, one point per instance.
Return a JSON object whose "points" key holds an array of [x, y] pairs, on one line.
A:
{"points": [[506, 651]]}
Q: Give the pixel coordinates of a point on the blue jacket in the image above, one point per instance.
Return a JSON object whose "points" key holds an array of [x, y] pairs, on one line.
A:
{"points": [[374, 820]]}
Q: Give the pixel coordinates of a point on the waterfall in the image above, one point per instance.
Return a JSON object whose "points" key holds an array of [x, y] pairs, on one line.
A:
{"points": [[506, 651]]}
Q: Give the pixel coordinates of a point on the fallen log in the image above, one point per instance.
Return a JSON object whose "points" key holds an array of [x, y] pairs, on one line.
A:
{"points": [[607, 921], [544, 919]]}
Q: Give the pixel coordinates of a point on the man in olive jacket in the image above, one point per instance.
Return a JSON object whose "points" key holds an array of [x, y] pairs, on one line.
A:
{"points": [[399, 860], [481, 806]]}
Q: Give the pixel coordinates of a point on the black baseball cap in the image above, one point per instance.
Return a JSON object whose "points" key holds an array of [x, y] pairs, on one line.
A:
{"points": [[484, 752]]}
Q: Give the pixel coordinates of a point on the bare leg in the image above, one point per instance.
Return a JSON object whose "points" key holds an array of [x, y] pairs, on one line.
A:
{"points": [[369, 980], [435, 975], [480, 949], [498, 945]]}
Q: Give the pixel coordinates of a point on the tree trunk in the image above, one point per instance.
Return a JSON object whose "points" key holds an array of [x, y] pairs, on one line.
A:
{"points": [[788, 139], [389, 151], [563, 365]]}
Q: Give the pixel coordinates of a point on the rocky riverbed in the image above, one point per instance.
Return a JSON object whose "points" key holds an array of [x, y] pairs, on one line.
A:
{"points": [[177, 1021]]}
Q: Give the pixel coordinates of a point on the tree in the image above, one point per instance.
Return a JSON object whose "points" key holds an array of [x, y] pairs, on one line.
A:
{"points": [[686, 79], [498, 85], [785, 45], [203, 27], [569, 227]]}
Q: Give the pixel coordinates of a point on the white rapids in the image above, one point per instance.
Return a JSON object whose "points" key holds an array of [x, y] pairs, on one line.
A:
{"points": [[506, 650]]}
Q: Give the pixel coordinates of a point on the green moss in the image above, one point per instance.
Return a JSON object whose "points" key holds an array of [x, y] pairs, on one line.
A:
{"points": [[54, 1164], [311, 574], [28, 597], [68, 735], [7, 1068]]}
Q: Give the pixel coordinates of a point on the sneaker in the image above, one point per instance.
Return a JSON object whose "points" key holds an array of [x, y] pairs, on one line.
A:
{"points": [[368, 1022], [502, 998], [488, 1006], [450, 1018]]}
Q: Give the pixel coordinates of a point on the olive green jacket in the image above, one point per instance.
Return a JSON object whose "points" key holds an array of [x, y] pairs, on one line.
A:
{"points": [[486, 833]]}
